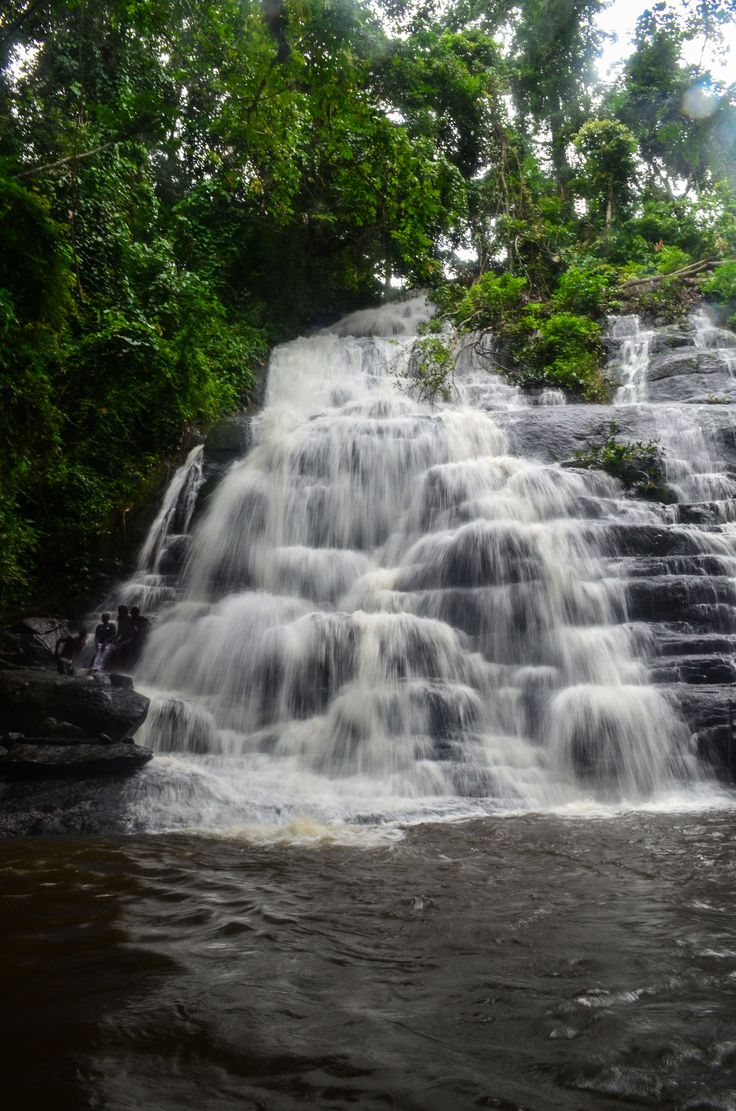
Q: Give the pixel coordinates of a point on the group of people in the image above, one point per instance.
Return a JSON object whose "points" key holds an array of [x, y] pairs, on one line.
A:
{"points": [[117, 645]]}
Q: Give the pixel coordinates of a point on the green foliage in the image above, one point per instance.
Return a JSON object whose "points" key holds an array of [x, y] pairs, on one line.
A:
{"points": [[670, 259], [722, 283], [637, 464], [569, 351], [607, 174], [430, 370], [547, 347], [721, 286], [492, 302], [585, 287], [182, 184]]}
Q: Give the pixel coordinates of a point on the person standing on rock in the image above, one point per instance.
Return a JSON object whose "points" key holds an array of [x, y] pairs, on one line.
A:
{"points": [[104, 643], [67, 651]]}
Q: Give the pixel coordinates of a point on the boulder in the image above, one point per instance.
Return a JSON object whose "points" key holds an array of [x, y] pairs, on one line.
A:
{"points": [[31, 642], [669, 337], [229, 439], [28, 697]]}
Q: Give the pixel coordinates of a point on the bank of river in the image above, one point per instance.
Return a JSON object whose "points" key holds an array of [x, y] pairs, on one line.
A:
{"points": [[532, 962]]}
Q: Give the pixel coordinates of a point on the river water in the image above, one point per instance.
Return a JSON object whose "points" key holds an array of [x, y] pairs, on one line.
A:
{"points": [[421, 830], [530, 962]]}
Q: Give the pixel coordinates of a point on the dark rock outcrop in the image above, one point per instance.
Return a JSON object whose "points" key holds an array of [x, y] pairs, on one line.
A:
{"points": [[43, 758], [31, 642], [229, 439], [64, 805], [29, 697], [689, 374]]}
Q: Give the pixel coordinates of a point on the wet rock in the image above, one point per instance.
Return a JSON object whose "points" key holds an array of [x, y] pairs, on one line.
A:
{"points": [[671, 643], [712, 670], [122, 681], [46, 758], [29, 697], [673, 597], [174, 554], [64, 805], [689, 374], [645, 540], [229, 439], [710, 712], [552, 434], [701, 513], [672, 336]]}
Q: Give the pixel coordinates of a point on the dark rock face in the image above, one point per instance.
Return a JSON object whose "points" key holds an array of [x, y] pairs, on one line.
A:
{"points": [[28, 697], [671, 337], [552, 434], [229, 439], [710, 712], [65, 805], [31, 642], [689, 374], [47, 758]]}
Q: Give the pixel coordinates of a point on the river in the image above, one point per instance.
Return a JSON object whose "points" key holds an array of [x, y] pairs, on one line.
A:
{"points": [[529, 962]]}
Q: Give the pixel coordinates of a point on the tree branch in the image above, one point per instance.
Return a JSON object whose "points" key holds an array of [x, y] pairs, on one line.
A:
{"points": [[19, 20], [68, 159], [685, 272]]}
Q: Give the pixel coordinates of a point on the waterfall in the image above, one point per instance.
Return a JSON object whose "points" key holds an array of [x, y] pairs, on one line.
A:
{"points": [[635, 344], [385, 613], [163, 552]]}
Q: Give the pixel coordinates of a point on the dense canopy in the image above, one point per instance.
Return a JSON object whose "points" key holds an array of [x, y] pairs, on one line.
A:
{"points": [[183, 184]]}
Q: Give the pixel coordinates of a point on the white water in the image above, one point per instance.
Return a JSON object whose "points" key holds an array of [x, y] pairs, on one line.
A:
{"points": [[150, 586], [635, 346], [693, 466], [386, 615]]}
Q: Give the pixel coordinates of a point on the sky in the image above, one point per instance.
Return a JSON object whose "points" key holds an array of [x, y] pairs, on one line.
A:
{"points": [[620, 20]]}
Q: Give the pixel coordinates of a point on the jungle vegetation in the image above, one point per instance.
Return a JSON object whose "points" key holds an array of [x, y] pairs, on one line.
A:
{"points": [[183, 184]]}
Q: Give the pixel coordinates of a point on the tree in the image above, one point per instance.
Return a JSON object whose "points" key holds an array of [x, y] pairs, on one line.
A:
{"points": [[606, 178]]}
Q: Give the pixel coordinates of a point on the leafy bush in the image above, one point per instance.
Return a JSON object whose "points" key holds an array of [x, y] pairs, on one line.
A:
{"points": [[570, 351], [430, 370], [585, 288], [670, 259], [639, 465], [722, 284], [492, 302]]}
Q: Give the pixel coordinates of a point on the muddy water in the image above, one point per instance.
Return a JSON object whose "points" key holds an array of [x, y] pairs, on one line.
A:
{"points": [[529, 962]]}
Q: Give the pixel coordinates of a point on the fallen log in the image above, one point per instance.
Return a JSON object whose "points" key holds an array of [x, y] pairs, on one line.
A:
{"points": [[683, 273]]}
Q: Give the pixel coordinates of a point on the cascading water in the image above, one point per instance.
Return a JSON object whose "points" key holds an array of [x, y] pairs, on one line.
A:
{"points": [[163, 552], [385, 614]]}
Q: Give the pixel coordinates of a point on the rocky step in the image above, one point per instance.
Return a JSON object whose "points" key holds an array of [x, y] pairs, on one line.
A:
{"points": [[636, 567], [702, 602], [713, 670], [689, 374], [615, 540], [710, 713], [49, 757], [705, 514], [672, 640]]}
